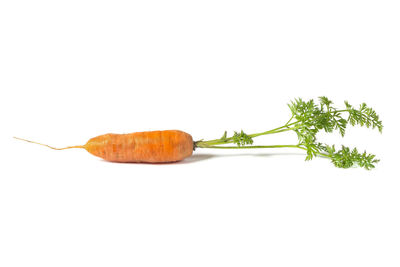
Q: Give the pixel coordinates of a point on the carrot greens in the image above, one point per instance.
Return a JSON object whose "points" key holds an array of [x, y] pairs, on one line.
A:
{"points": [[307, 119]]}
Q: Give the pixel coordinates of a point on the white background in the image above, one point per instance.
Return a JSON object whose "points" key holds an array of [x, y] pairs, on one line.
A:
{"points": [[71, 70]]}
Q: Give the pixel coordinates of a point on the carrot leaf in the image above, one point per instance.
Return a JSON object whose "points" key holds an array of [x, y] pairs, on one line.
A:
{"points": [[307, 120]]}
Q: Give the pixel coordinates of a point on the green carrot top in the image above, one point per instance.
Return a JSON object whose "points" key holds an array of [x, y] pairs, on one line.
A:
{"points": [[308, 118]]}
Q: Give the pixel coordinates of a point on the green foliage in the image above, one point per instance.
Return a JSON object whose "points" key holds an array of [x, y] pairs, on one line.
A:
{"points": [[224, 138], [364, 116], [346, 158], [311, 118], [238, 138], [307, 120], [242, 139]]}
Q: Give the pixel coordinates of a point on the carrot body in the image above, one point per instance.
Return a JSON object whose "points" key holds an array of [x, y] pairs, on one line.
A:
{"points": [[152, 147]]}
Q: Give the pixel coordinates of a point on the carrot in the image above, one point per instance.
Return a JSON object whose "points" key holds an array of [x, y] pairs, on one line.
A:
{"points": [[151, 147], [307, 119]]}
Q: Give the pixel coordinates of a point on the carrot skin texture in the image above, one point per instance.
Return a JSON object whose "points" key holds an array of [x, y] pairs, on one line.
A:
{"points": [[151, 147]]}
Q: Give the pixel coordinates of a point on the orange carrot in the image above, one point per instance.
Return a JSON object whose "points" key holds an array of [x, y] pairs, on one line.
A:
{"points": [[152, 147], [308, 118]]}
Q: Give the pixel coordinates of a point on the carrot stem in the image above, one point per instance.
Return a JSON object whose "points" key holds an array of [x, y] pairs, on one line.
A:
{"points": [[250, 147], [230, 140]]}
